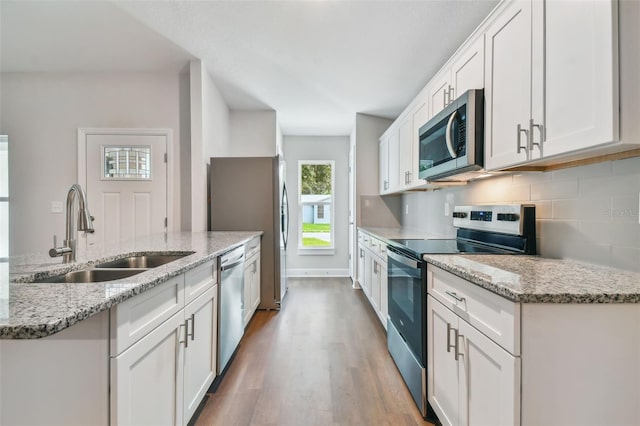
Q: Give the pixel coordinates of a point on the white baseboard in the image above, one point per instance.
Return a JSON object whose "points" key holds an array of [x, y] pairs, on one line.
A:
{"points": [[337, 272]]}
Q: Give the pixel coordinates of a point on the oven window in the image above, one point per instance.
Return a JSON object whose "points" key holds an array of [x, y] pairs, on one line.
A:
{"points": [[407, 299]]}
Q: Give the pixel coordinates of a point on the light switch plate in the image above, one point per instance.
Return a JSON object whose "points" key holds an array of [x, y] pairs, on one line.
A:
{"points": [[56, 207]]}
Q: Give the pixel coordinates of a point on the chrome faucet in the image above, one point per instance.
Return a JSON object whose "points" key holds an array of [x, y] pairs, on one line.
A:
{"points": [[85, 223]]}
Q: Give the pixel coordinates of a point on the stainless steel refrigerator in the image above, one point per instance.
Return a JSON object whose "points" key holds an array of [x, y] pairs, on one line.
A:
{"points": [[249, 194]]}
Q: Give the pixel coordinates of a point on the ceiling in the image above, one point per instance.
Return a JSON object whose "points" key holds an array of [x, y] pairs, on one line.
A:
{"points": [[317, 63]]}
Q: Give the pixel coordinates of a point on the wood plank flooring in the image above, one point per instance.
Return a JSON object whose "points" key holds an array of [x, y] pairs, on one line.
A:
{"points": [[321, 360]]}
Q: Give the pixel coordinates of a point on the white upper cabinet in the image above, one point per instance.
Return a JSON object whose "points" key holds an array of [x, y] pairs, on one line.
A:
{"points": [[405, 133], [439, 89], [508, 87], [548, 90], [394, 158], [467, 69], [577, 71], [383, 163]]}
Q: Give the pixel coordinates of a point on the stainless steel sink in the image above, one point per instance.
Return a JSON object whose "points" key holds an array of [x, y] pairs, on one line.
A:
{"points": [[148, 261], [91, 276]]}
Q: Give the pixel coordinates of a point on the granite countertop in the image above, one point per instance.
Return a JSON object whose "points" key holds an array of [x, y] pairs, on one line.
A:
{"points": [[34, 310], [397, 233], [531, 279]]}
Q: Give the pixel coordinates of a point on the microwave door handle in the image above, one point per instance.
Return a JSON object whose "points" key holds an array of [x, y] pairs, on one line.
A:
{"points": [[448, 137]]}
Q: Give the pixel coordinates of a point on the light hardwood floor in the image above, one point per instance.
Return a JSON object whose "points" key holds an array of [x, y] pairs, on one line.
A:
{"points": [[321, 360]]}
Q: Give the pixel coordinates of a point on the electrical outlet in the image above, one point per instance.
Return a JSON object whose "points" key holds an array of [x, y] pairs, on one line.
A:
{"points": [[447, 208], [56, 207], [406, 209]]}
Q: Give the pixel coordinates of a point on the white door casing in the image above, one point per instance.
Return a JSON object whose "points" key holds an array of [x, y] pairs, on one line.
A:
{"points": [[125, 208]]}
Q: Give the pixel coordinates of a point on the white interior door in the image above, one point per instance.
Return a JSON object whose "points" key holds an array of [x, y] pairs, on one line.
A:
{"points": [[126, 182]]}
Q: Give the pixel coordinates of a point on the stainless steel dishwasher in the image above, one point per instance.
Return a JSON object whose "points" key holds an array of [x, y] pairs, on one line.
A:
{"points": [[231, 286]]}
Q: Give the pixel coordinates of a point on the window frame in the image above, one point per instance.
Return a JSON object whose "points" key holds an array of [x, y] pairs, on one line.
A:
{"points": [[318, 250]]}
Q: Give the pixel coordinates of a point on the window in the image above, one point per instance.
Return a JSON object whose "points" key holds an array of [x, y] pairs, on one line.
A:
{"points": [[315, 199], [126, 162]]}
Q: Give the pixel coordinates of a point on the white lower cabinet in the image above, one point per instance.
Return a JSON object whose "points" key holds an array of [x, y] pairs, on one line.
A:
{"points": [[161, 378], [146, 379], [251, 290], [491, 361], [472, 380], [200, 354], [372, 274]]}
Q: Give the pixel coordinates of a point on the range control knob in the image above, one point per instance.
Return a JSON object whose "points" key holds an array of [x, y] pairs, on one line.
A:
{"points": [[459, 215], [508, 217]]}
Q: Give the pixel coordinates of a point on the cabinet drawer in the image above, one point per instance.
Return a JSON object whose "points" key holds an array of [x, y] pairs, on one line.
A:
{"points": [[200, 279], [136, 317], [252, 248], [495, 316]]}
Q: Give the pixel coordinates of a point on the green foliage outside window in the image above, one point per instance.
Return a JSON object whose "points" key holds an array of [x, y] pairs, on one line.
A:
{"points": [[316, 179]]}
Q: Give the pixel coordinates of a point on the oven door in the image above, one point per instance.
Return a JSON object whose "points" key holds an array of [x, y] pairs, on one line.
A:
{"points": [[408, 300]]}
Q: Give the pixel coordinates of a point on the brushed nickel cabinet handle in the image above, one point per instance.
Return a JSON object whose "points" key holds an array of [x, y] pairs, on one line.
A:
{"points": [[449, 328], [456, 354], [540, 128], [526, 132], [193, 326], [455, 295]]}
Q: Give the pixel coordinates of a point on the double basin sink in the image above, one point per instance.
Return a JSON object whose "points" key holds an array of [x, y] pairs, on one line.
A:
{"points": [[115, 269]]}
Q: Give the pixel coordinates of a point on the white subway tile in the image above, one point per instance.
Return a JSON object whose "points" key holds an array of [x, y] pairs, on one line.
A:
{"points": [[625, 234], [627, 258], [543, 210], [598, 209], [564, 209], [595, 232], [625, 209], [626, 166], [612, 186], [599, 254], [523, 178], [555, 190], [591, 170]]}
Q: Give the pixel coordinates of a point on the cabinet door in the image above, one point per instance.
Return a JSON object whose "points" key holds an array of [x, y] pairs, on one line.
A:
{"points": [[375, 284], [490, 385], [420, 118], [367, 273], [246, 293], [199, 356], [255, 284], [147, 378], [580, 75], [383, 164], [406, 151], [467, 71], [439, 92], [394, 159], [384, 294], [508, 86], [361, 270], [442, 367]]}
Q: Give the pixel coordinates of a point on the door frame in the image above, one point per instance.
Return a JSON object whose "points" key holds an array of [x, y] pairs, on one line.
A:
{"points": [[83, 132]]}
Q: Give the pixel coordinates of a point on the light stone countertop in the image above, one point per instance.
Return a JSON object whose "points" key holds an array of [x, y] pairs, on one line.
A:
{"points": [[531, 279], [34, 310]]}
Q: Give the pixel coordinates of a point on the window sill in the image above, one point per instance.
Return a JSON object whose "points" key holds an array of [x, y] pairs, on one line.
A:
{"points": [[316, 251]]}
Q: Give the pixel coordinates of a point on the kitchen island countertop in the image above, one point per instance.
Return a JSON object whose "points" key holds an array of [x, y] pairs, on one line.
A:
{"points": [[33, 310], [532, 279]]}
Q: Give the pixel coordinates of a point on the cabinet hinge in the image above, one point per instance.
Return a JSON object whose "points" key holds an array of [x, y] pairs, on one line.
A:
{"points": [[166, 222], [165, 157]]}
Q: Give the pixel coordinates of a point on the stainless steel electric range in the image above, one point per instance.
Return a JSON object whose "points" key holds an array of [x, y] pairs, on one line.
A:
{"points": [[497, 229]]}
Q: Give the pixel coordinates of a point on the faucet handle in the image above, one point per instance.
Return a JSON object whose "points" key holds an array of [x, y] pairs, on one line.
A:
{"points": [[58, 251], [55, 241]]}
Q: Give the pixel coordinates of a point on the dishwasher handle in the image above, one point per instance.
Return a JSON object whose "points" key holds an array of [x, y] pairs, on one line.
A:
{"points": [[232, 259]]}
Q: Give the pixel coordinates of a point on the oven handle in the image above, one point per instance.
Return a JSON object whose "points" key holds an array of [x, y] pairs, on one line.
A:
{"points": [[403, 259]]}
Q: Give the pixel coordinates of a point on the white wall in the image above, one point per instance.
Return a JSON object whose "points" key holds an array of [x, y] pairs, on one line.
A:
{"points": [[41, 113], [253, 134], [587, 213], [210, 135], [334, 148]]}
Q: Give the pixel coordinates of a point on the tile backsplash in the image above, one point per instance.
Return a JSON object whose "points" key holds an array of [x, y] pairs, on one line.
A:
{"points": [[587, 213]]}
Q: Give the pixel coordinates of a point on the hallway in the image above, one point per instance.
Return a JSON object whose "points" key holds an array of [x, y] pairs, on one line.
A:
{"points": [[322, 360]]}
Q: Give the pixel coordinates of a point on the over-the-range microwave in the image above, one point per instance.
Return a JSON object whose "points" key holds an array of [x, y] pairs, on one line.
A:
{"points": [[452, 142]]}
